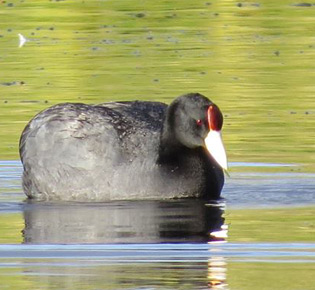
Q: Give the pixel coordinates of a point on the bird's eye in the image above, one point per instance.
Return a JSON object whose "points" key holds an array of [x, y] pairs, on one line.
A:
{"points": [[199, 122]]}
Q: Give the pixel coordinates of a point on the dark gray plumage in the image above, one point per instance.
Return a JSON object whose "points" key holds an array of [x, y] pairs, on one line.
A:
{"points": [[113, 151]]}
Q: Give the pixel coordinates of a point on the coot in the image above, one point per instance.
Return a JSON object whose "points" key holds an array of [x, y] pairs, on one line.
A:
{"points": [[125, 150]]}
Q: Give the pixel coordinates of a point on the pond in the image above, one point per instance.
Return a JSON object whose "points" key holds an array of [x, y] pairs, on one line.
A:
{"points": [[262, 233], [255, 59]]}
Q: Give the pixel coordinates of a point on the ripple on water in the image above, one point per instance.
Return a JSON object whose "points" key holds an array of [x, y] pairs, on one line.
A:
{"points": [[108, 253]]}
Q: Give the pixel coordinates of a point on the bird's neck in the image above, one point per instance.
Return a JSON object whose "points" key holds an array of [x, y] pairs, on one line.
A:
{"points": [[169, 147], [174, 154]]}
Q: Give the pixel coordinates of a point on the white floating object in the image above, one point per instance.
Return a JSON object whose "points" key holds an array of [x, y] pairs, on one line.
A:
{"points": [[22, 40]]}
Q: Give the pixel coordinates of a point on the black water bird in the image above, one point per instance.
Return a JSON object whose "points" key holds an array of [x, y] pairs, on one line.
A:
{"points": [[125, 150]]}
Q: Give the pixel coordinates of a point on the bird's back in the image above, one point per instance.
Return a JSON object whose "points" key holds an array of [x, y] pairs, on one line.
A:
{"points": [[70, 149], [138, 127]]}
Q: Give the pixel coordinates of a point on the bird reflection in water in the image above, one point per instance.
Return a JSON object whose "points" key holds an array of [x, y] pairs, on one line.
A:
{"points": [[178, 221], [217, 268], [188, 221]]}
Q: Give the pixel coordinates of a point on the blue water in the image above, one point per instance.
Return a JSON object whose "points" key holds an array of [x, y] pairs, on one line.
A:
{"points": [[150, 253], [151, 244], [241, 190]]}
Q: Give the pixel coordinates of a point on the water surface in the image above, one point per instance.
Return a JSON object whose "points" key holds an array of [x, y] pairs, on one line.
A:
{"points": [[180, 244], [168, 266], [254, 59]]}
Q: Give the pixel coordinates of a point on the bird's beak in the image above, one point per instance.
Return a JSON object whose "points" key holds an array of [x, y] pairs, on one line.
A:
{"points": [[213, 140], [214, 145]]}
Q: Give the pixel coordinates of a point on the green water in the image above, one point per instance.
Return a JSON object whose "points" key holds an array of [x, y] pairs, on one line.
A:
{"points": [[175, 276], [254, 59]]}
